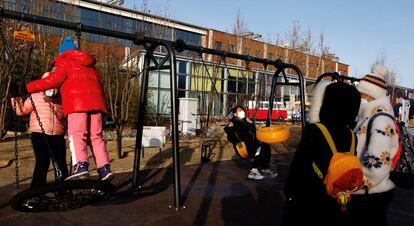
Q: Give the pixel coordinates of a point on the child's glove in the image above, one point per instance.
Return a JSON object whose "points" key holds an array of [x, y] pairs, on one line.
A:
{"points": [[51, 93]]}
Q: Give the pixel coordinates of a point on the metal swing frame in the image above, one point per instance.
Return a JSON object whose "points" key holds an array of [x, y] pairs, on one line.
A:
{"points": [[337, 77], [166, 63]]}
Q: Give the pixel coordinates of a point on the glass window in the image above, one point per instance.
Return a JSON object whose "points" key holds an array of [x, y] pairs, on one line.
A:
{"points": [[268, 84], [164, 79], [164, 102], [241, 86], [182, 66], [188, 37], [218, 102], [262, 85], [129, 25], [217, 45], [270, 56], [251, 88], [232, 84], [181, 81], [153, 79], [162, 32], [152, 100], [231, 48]]}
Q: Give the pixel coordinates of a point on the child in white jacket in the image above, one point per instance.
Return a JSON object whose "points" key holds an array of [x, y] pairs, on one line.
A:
{"points": [[370, 203]]}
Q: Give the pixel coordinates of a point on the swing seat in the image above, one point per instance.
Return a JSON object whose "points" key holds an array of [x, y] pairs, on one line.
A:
{"points": [[273, 134], [241, 150]]}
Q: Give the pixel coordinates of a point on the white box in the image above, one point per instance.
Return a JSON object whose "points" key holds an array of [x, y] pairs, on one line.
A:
{"points": [[188, 117], [153, 136]]}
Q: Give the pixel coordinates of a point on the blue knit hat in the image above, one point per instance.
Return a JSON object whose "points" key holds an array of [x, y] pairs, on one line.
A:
{"points": [[67, 44]]}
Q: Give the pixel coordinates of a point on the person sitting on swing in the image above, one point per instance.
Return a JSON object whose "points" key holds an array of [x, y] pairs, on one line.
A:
{"points": [[49, 108], [242, 129], [83, 103]]}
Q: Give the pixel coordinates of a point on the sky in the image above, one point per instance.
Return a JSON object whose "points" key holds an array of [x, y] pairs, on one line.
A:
{"points": [[357, 31]]}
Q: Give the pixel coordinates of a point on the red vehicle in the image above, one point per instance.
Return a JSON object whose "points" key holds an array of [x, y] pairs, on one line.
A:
{"points": [[279, 111]]}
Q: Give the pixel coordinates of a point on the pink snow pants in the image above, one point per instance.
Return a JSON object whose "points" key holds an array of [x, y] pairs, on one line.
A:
{"points": [[83, 128]]}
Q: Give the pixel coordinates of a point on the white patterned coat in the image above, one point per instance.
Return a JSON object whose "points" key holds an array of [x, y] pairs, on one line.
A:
{"points": [[382, 148]]}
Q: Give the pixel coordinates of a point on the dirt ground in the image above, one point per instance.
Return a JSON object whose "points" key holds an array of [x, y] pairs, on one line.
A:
{"points": [[189, 154]]}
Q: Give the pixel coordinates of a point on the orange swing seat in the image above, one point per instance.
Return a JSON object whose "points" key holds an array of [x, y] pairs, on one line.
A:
{"points": [[273, 134]]}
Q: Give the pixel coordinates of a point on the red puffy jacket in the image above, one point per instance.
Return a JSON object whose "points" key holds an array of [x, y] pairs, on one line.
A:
{"points": [[79, 82]]}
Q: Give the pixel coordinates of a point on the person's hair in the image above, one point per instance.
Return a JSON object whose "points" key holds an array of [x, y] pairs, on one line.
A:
{"points": [[238, 106], [399, 94]]}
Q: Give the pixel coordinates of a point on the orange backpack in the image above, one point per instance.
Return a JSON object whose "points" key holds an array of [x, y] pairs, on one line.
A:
{"points": [[344, 174]]}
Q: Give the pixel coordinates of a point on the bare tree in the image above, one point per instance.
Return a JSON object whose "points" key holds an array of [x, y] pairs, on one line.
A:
{"points": [[294, 36], [324, 53], [278, 40], [306, 45], [120, 84], [240, 26], [209, 78]]}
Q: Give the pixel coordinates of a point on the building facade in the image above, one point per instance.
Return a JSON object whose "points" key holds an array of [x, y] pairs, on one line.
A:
{"points": [[216, 83]]}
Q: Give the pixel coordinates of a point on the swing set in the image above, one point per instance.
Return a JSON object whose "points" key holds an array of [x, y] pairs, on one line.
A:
{"points": [[80, 192]]}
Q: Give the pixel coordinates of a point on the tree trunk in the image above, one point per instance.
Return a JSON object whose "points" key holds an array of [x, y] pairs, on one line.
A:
{"points": [[3, 129], [119, 131]]}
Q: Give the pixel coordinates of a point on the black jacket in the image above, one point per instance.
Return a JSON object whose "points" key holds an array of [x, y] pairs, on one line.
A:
{"points": [[243, 131], [304, 190]]}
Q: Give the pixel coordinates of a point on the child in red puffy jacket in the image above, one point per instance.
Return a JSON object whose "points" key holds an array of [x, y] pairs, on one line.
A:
{"points": [[83, 103]]}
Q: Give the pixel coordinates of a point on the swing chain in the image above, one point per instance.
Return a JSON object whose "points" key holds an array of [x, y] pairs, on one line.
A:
{"points": [[16, 149], [79, 34], [16, 157]]}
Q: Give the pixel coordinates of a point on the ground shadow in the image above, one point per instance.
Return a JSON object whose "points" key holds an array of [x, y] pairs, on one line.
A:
{"points": [[209, 191], [151, 181], [257, 204]]}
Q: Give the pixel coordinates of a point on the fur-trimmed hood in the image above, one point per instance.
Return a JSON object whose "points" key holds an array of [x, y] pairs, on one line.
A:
{"points": [[335, 103], [317, 98]]}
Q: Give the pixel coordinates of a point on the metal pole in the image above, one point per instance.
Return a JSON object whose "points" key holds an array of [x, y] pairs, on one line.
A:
{"points": [[271, 98], [302, 93], [174, 121], [141, 114]]}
